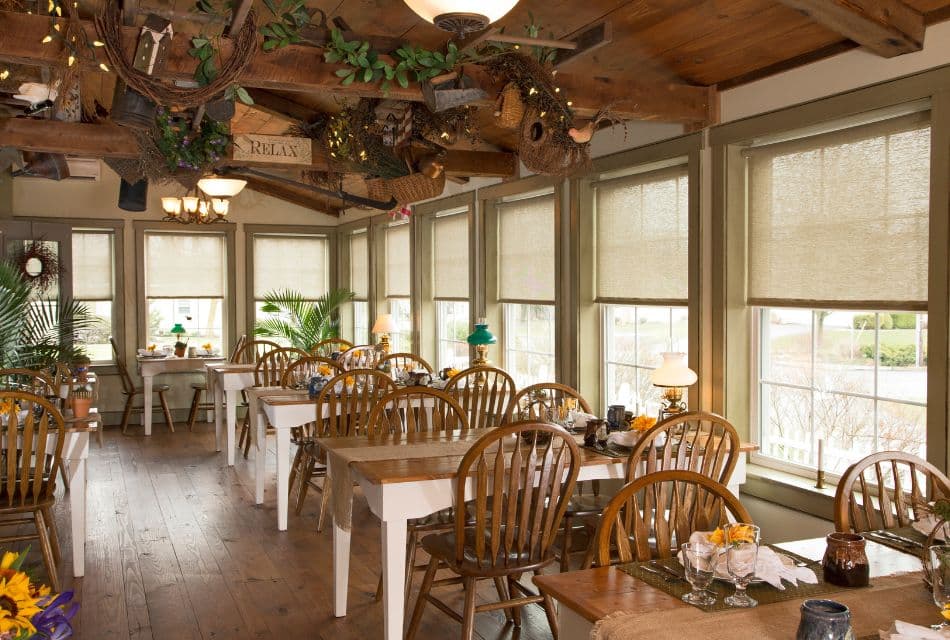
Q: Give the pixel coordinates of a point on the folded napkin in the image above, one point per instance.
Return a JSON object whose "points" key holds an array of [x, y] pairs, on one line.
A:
{"points": [[624, 438], [926, 525], [771, 567], [581, 419], [906, 631]]}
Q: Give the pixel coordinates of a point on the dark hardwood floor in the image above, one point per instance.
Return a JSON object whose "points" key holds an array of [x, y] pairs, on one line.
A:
{"points": [[177, 549]]}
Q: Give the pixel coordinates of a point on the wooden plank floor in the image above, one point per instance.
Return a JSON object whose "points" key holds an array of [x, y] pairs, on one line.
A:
{"points": [[176, 548]]}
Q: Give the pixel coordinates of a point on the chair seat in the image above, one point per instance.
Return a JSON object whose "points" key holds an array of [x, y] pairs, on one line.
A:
{"points": [[434, 521], [442, 546], [586, 505], [199, 386]]}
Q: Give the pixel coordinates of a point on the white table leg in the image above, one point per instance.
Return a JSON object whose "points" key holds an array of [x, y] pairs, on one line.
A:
{"points": [[259, 445], [231, 411], [283, 477], [341, 571], [147, 409], [394, 577], [218, 401], [77, 504]]}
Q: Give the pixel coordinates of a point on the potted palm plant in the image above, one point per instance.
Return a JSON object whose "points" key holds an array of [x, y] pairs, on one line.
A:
{"points": [[301, 323]]}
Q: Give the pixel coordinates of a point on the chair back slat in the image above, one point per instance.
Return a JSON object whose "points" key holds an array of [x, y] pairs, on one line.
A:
{"points": [[538, 401], [525, 472], [299, 372], [32, 445], [404, 362], [663, 508], [325, 348], [128, 387], [272, 364], [416, 410], [886, 490], [485, 393], [363, 356], [236, 349], [348, 399], [252, 350]]}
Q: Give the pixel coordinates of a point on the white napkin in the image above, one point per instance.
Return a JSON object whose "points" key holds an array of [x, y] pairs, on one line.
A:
{"points": [[906, 631], [769, 566], [624, 438], [926, 525], [581, 419]]}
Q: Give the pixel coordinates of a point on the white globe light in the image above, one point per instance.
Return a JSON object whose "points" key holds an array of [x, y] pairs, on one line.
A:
{"points": [[221, 187], [461, 16]]}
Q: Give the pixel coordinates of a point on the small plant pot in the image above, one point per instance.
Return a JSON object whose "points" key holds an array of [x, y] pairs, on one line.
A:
{"points": [[180, 352], [81, 407]]}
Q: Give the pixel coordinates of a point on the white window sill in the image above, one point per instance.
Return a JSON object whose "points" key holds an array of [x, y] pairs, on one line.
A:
{"points": [[790, 490]]}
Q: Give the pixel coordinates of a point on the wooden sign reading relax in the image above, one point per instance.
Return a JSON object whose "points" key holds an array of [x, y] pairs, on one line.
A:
{"points": [[272, 149]]}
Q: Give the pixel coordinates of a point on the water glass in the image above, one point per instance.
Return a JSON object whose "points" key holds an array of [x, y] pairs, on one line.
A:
{"points": [[742, 550], [940, 580], [699, 561]]}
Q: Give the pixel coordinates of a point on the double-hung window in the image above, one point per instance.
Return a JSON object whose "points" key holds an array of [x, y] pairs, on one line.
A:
{"points": [[359, 285], [185, 284], [641, 245], [93, 277], [398, 278], [527, 264], [838, 237], [450, 287]]}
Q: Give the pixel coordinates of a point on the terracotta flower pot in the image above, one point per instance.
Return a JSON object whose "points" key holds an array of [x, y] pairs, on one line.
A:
{"points": [[180, 352], [81, 407]]}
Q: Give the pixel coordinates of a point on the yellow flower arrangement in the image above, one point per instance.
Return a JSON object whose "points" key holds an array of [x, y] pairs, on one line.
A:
{"points": [[8, 407], [207, 346], [642, 423], [739, 533], [349, 381], [946, 612], [452, 372], [324, 370], [151, 348], [18, 599]]}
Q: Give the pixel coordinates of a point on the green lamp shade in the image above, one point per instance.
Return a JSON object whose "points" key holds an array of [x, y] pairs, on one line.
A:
{"points": [[481, 335], [178, 329]]}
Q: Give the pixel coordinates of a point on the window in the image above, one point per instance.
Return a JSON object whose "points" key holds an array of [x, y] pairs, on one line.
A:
{"points": [[641, 228], [450, 288], [93, 275], [526, 287], [185, 283], [837, 274], [359, 285], [398, 278]]}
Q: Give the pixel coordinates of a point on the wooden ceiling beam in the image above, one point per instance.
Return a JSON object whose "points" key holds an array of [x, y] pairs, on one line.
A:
{"points": [[302, 197], [889, 28], [302, 69], [277, 105], [239, 16]]}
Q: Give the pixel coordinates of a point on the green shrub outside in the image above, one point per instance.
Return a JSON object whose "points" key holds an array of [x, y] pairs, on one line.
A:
{"points": [[893, 355], [904, 320], [866, 321]]}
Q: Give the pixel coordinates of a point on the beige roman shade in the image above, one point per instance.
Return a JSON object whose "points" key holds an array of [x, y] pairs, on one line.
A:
{"points": [[526, 253], [642, 237], [93, 272], [841, 220], [398, 260], [283, 262], [180, 265], [450, 257], [359, 265]]}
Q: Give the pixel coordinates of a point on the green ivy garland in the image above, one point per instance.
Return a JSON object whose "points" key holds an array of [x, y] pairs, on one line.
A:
{"points": [[185, 149]]}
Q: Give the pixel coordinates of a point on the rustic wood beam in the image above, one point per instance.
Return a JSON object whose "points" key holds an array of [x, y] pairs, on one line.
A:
{"points": [[277, 105], [588, 39], [282, 191], [113, 141], [887, 27], [238, 16], [302, 69]]}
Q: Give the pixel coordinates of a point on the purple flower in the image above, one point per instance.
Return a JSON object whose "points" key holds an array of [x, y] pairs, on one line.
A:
{"points": [[52, 623]]}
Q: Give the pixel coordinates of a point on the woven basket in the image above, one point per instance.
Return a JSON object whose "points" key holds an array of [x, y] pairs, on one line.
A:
{"points": [[509, 110], [378, 189], [416, 187]]}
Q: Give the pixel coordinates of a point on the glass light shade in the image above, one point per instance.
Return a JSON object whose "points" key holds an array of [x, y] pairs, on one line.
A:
{"points": [[673, 372], [190, 204], [178, 329], [491, 9], [221, 187], [481, 335], [384, 324], [220, 206], [171, 206], [203, 208]]}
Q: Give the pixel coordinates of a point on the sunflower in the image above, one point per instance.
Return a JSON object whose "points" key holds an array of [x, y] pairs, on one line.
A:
{"points": [[17, 606]]}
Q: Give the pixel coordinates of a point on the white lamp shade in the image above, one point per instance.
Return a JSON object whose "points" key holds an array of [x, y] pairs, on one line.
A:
{"points": [[190, 204], [673, 372], [220, 206], [384, 324], [171, 205], [491, 9], [221, 187]]}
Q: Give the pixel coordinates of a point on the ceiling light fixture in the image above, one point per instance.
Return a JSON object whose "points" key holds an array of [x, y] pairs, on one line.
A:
{"points": [[461, 16], [207, 203]]}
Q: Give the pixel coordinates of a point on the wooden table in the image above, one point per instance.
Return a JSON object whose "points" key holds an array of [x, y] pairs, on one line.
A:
{"points": [[226, 381], [151, 367], [584, 597], [258, 425], [75, 453]]}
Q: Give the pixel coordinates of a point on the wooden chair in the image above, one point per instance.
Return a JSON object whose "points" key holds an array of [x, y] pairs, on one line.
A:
{"points": [[885, 490], [31, 453], [363, 356], [269, 371], [345, 413], [299, 372], [331, 345], [653, 515], [33, 381], [538, 400], [522, 475], [692, 441], [202, 387], [131, 391], [252, 350], [404, 362], [485, 393]]}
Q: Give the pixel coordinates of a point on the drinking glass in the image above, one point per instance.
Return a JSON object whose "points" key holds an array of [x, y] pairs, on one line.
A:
{"points": [[742, 550], [699, 561], [940, 579]]}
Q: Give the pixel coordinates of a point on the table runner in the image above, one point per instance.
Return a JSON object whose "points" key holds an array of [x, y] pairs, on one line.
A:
{"points": [[894, 597], [906, 547]]}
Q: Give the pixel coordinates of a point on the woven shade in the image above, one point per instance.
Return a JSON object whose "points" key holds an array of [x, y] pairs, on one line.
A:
{"points": [[300, 263], [359, 266], [841, 220], [397, 261], [450, 257], [642, 237], [179, 265], [526, 256], [92, 266]]}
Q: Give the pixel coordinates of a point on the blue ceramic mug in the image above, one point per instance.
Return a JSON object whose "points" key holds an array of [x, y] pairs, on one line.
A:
{"points": [[824, 620]]}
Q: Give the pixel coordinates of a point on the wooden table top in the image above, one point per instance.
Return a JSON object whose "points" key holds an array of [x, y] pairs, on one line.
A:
{"points": [[596, 593]]}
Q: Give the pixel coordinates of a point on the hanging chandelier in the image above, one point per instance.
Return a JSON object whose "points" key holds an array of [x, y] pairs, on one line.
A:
{"points": [[461, 16], [207, 203]]}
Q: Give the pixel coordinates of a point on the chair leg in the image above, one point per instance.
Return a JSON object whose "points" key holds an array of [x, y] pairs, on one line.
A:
{"points": [[168, 414], [130, 400], [247, 441], [245, 431], [65, 473], [468, 617], [51, 568], [324, 504], [303, 481], [193, 411], [293, 470], [422, 598], [53, 535], [502, 596], [566, 545], [412, 543], [549, 610], [515, 611]]}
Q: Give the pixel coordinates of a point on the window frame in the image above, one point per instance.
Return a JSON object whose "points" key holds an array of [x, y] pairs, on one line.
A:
{"points": [[377, 250], [118, 314], [347, 317]]}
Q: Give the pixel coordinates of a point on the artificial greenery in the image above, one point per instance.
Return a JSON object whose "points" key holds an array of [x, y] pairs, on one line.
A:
{"points": [[38, 333], [291, 16], [302, 323], [184, 148], [205, 50]]}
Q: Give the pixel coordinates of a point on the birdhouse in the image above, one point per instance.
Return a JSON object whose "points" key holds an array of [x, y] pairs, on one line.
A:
{"points": [[395, 122], [154, 42]]}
